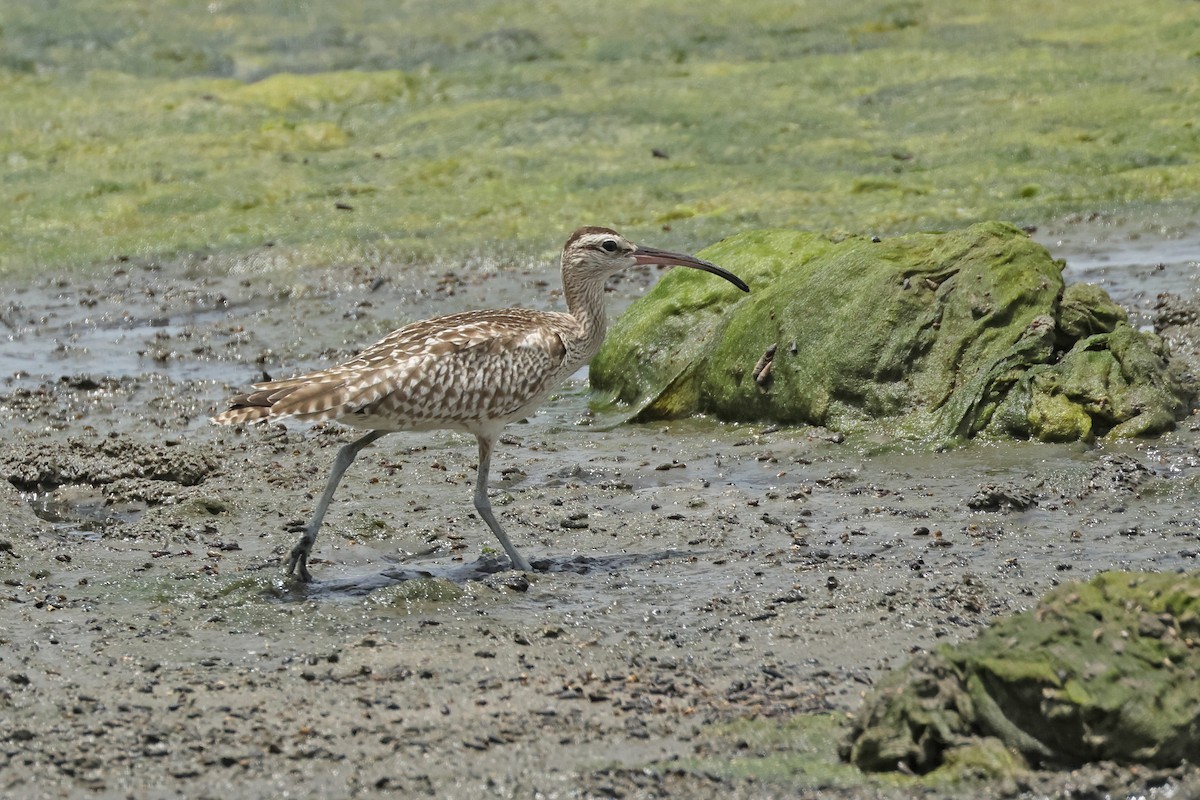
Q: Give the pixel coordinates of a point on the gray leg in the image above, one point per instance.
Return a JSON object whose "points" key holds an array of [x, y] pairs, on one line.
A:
{"points": [[298, 560], [484, 506]]}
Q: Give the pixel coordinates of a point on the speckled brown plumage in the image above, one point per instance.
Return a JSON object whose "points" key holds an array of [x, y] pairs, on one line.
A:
{"points": [[467, 371], [475, 371]]}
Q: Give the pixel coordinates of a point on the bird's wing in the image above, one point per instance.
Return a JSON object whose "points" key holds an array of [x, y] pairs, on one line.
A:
{"points": [[446, 371]]}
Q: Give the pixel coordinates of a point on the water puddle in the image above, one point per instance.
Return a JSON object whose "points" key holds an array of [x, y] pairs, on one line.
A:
{"points": [[489, 568], [82, 511], [1134, 268]]}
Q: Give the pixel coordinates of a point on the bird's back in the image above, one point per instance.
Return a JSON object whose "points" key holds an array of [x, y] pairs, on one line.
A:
{"points": [[470, 371]]}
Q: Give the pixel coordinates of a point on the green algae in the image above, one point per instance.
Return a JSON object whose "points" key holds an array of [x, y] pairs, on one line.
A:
{"points": [[927, 337], [796, 752], [1102, 670], [800, 753], [418, 594], [330, 90], [135, 130], [193, 592]]}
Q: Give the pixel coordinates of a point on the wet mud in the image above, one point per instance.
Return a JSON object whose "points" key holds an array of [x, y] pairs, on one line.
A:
{"points": [[690, 577]]}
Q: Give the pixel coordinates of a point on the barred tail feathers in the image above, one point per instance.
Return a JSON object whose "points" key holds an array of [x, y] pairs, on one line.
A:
{"points": [[308, 398], [239, 415]]}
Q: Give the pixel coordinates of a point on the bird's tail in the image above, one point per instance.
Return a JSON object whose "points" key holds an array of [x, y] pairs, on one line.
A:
{"points": [[308, 398], [238, 415]]}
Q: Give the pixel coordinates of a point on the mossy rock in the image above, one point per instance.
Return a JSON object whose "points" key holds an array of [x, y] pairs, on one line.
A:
{"points": [[1102, 670], [929, 336]]}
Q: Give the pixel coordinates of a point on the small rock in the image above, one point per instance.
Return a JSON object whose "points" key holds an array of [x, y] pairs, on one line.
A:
{"points": [[994, 497]]}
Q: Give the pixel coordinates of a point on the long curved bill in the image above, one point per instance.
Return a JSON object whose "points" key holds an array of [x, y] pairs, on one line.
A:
{"points": [[651, 255]]}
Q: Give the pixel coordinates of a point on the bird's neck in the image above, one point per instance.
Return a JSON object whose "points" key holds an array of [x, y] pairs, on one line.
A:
{"points": [[585, 301]]}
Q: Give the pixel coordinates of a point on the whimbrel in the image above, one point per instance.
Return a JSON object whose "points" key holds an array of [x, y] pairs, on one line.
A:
{"points": [[475, 372]]}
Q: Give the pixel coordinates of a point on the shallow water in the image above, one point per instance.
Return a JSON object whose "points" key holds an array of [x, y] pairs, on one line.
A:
{"points": [[1134, 262]]}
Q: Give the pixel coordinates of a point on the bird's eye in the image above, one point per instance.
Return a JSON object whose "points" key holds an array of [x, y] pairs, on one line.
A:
{"points": [[609, 246]]}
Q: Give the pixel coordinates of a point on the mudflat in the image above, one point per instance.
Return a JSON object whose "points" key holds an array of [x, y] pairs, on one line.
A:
{"points": [[708, 604]]}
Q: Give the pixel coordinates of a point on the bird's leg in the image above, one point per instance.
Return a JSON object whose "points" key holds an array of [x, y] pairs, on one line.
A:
{"points": [[484, 506], [298, 560]]}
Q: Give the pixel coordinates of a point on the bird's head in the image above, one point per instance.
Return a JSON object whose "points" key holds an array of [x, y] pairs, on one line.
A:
{"points": [[596, 254]]}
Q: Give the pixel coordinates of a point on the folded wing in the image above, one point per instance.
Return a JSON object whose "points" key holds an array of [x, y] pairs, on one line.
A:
{"points": [[459, 371]]}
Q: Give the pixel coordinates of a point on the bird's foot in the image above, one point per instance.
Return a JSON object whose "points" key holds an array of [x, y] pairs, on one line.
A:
{"points": [[298, 563]]}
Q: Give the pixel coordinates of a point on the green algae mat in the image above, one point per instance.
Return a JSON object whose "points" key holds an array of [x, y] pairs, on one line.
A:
{"points": [[926, 337], [1102, 670], [389, 132]]}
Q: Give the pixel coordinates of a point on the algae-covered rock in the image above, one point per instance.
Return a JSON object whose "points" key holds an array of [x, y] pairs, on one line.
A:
{"points": [[934, 336], [1103, 670]]}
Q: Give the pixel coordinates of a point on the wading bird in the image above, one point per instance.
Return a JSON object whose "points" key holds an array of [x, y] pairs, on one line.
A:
{"points": [[475, 372]]}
